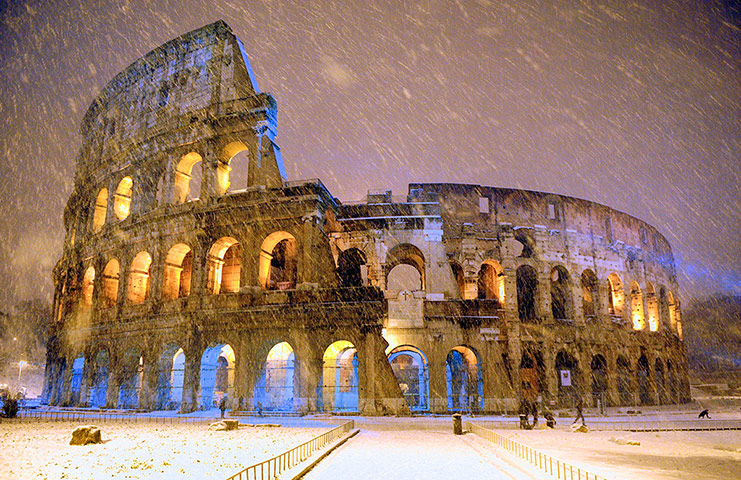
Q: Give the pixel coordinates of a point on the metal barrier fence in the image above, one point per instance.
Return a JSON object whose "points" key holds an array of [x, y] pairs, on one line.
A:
{"points": [[271, 468], [100, 417], [666, 425], [550, 465]]}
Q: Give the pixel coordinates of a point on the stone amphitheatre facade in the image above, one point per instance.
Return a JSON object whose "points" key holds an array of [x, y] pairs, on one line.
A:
{"points": [[193, 270]]}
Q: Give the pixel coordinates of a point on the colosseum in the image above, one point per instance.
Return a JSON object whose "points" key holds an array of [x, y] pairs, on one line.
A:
{"points": [[193, 270]]}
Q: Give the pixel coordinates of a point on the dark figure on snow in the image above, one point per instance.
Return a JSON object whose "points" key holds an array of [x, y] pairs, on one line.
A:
{"points": [[259, 408], [550, 421], [222, 406], [523, 413], [579, 413], [704, 414]]}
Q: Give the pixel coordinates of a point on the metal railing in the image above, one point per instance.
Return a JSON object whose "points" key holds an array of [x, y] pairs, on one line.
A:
{"points": [[100, 417], [272, 467], [665, 425], [553, 466]]}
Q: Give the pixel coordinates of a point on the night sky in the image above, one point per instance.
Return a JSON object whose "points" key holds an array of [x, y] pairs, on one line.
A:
{"points": [[631, 104]]}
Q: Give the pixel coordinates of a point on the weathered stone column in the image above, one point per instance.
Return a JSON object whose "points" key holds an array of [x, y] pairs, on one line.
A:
{"points": [[192, 381]]}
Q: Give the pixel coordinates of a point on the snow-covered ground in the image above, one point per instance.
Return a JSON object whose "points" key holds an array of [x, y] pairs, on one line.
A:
{"points": [[41, 450], [153, 449]]}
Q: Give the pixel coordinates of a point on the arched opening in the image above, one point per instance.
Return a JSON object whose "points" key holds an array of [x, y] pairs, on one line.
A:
{"points": [[567, 371], [616, 297], [405, 268], [339, 383], [459, 279], [660, 383], [99, 381], [673, 386], [217, 375], [138, 291], [111, 275], [636, 307], [224, 265], [525, 238], [560, 293], [100, 210], [532, 375], [527, 289], [224, 167], [75, 387], [644, 383], [275, 386], [590, 293], [623, 381], [491, 281], [410, 368], [599, 380], [188, 168], [278, 261], [664, 309], [652, 307], [672, 312], [132, 372], [177, 272], [122, 198], [170, 378], [86, 294], [351, 268], [465, 380]]}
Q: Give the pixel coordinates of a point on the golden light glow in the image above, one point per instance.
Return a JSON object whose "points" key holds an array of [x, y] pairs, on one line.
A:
{"points": [[101, 209], [223, 168], [266, 255], [122, 199], [139, 278], [87, 287], [224, 266], [617, 294], [652, 307], [636, 307], [110, 283], [177, 272], [183, 176]]}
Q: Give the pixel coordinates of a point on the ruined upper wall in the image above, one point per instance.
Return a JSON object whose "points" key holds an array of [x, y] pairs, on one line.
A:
{"points": [[202, 69], [524, 208]]}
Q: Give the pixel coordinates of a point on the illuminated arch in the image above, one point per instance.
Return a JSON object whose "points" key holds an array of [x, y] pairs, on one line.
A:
{"points": [[183, 176], [491, 281], [652, 307], [138, 285], [278, 261], [465, 383], [111, 275], [409, 365], [339, 385], [88, 282], [177, 272], [274, 390], [223, 167], [122, 198], [217, 375], [567, 370], [170, 378], [616, 297], [636, 307], [100, 210], [224, 266]]}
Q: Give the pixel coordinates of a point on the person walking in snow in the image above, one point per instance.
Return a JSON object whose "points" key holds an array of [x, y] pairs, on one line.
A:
{"points": [[704, 414], [579, 413], [222, 405]]}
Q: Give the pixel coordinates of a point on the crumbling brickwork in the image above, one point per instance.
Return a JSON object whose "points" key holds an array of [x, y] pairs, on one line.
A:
{"points": [[182, 283]]}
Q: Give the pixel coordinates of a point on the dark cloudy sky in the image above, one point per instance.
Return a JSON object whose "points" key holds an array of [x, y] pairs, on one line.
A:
{"points": [[628, 103]]}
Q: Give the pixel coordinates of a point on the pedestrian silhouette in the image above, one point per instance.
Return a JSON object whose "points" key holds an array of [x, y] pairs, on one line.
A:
{"points": [[704, 414]]}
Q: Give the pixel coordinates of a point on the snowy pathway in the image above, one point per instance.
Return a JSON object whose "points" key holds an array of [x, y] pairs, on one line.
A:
{"points": [[412, 455]]}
